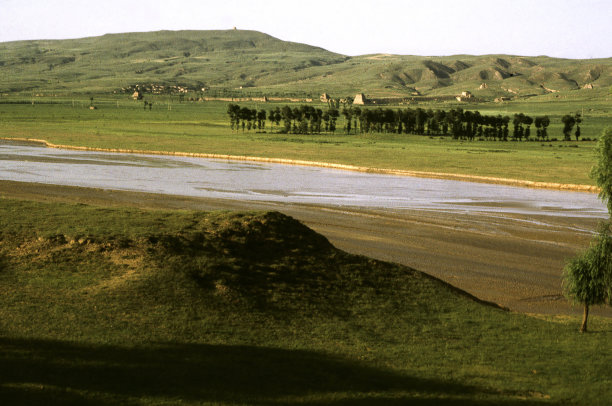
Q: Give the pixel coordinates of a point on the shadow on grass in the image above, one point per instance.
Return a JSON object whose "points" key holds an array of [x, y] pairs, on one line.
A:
{"points": [[53, 372]]}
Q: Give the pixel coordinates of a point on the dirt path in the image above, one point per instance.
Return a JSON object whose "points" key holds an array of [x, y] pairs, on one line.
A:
{"points": [[515, 261]]}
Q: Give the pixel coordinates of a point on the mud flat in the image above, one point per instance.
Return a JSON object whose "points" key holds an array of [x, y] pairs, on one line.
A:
{"points": [[509, 259]]}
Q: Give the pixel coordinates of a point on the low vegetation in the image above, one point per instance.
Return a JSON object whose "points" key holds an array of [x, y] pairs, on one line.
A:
{"points": [[101, 305]]}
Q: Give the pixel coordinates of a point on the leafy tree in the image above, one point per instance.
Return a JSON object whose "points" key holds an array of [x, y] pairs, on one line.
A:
{"points": [[233, 111], [518, 121], [276, 116], [538, 125], [357, 115], [325, 117], [333, 116], [578, 120], [348, 116], [602, 171], [568, 123], [587, 277], [545, 122], [261, 119], [527, 121], [287, 117]]}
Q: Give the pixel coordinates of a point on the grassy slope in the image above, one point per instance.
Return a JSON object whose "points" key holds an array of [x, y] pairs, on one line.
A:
{"points": [[203, 127], [124, 306], [266, 65]]}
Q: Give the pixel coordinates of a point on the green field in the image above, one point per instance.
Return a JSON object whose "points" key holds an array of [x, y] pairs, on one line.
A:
{"points": [[124, 306], [204, 127]]}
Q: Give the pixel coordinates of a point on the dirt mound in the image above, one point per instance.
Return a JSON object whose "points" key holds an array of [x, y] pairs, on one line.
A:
{"points": [[210, 263]]}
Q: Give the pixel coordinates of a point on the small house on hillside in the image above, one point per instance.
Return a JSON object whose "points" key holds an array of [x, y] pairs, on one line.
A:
{"points": [[137, 95], [324, 98], [359, 99]]}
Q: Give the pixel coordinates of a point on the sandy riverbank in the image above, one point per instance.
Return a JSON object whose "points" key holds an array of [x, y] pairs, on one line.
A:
{"points": [[396, 172], [512, 260]]}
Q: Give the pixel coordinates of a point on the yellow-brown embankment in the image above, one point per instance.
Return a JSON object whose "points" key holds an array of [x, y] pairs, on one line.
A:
{"points": [[397, 172]]}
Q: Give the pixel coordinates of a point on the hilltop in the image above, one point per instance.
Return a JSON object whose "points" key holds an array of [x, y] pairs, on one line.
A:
{"points": [[237, 62]]}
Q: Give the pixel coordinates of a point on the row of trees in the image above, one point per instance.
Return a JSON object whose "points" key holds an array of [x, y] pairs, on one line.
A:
{"points": [[587, 278], [457, 123], [246, 118], [296, 120]]}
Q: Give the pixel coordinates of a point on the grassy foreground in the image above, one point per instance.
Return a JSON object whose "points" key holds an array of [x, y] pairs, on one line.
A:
{"points": [[124, 306], [203, 128]]}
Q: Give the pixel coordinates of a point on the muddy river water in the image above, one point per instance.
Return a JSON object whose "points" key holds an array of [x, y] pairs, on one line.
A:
{"points": [[240, 180]]}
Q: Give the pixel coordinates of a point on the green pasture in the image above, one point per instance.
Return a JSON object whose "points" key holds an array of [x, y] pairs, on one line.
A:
{"points": [[125, 306], [203, 127]]}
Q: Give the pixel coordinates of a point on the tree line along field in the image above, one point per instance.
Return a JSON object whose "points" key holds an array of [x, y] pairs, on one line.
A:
{"points": [[460, 124], [166, 124]]}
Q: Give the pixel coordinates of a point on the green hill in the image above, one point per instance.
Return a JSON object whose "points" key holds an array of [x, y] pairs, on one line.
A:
{"points": [[249, 63], [123, 306]]}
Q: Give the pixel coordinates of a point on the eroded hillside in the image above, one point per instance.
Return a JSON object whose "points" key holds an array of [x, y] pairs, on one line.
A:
{"points": [[236, 62]]}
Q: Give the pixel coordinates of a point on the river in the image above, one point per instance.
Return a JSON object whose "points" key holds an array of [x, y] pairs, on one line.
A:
{"points": [[239, 180]]}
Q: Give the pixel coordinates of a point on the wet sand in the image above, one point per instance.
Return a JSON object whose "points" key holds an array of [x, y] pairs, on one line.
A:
{"points": [[512, 260]]}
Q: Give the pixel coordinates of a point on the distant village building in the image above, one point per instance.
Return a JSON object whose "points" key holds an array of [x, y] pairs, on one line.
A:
{"points": [[465, 95], [137, 95], [483, 86], [502, 99], [359, 99], [324, 98]]}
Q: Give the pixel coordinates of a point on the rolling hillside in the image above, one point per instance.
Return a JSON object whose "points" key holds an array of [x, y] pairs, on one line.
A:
{"points": [[249, 63]]}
